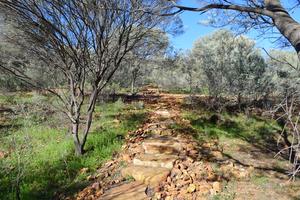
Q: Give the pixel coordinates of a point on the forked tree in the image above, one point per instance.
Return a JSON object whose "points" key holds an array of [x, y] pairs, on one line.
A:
{"points": [[84, 42]]}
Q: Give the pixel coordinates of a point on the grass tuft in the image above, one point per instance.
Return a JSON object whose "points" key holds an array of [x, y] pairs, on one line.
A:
{"points": [[41, 157]]}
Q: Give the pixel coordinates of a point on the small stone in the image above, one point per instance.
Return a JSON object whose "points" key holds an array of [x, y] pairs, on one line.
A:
{"points": [[84, 170], [251, 169], [216, 186], [189, 147], [90, 197], [244, 174], [96, 186], [193, 153], [99, 193], [182, 166], [2, 154], [189, 159], [191, 188], [230, 165], [207, 145], [157, 196], [116, 121], [126, 157], [217, 154], [204, 188], [90, 178], [169, 180], [212, 177], [169, 198]]}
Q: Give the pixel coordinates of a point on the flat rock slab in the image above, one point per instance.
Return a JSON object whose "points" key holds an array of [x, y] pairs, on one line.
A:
{"points": [[162, 145], [155, 160], [160, 124], [128, 191], [163, 113], [152, 176]]}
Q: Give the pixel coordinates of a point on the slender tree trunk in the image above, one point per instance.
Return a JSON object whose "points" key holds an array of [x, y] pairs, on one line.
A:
{"points": [[134, 78], [89, 119], [132, 86], [239, 100], [18, 191], [77, 143]]}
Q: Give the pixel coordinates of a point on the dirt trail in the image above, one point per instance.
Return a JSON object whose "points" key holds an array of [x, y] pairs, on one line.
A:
{"points": [[159, 161], [154, 158]]}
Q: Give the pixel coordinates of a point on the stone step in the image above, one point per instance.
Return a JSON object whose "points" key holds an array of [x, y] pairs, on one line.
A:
{"points": [[152, 176], [162, 124], [162, 145], [163, 113], [155, 160], [128, 191]]}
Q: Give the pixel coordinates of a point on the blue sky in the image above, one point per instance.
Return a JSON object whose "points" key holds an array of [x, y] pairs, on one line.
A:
{"points": [[193, 30]]}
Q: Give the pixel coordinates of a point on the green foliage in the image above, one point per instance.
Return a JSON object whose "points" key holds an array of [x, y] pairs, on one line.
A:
{"points": [[260, 180], [227, 193], [239, 126], [42, 159], [284, 72], [229, 65]]}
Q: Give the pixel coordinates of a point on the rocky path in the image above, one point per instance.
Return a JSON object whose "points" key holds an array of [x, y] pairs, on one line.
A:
{"points": [[159, 161], [162, 162], [153, 166]]}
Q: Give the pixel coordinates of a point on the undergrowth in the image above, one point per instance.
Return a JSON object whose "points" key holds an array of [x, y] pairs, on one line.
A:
{"points": [[41, 160]]}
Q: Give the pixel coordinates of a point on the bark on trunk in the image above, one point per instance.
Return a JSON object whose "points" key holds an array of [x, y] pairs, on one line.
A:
{"points": [[286, 25], [239, 101], [132, 86], [77, 143], [18, 192], [89, 120]]}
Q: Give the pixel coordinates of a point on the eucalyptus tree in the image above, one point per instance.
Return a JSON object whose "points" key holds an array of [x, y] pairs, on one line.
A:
{"points": [[247, 69], [230, 65], [85, 42], [211, 53]]}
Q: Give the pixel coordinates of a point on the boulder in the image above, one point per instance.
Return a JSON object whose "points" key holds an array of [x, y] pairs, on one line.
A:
{"points": [[148, 175]]}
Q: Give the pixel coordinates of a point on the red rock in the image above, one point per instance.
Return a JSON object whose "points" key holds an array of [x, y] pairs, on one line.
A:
{"points": [[126, 157], [148, 175], [96, 186], [129, 191], [191, 188], [217, 187]]}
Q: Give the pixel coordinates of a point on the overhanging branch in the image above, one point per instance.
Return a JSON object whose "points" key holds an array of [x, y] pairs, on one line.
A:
{"points": [[257, 10]]}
